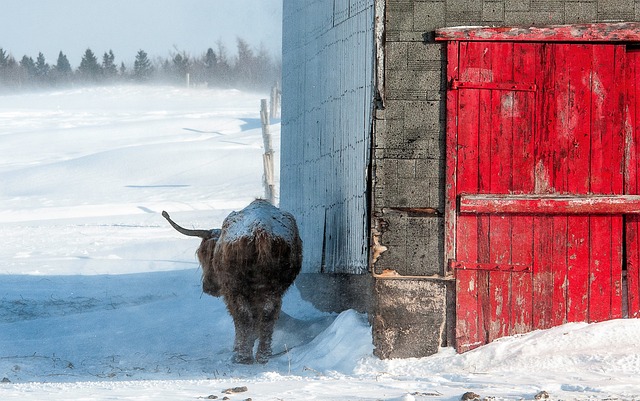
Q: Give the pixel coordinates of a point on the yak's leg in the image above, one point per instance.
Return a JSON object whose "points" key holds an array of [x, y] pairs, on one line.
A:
{"points": [[245, 330], [267, 320]]}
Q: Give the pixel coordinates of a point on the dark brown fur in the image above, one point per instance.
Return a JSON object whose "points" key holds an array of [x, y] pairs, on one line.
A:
{"points": [[252, 273]]}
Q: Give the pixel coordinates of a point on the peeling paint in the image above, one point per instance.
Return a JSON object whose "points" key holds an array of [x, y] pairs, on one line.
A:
{"points": [[510, 107], [542, 180], [607, 32], [477, 74], [377, 249]]}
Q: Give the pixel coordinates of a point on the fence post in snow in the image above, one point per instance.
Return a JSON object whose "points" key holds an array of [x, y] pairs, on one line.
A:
{"points": [[275, 101], [267, 157]]}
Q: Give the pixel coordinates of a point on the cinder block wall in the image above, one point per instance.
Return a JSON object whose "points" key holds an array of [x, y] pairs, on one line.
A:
{"points": [[408, 157]]}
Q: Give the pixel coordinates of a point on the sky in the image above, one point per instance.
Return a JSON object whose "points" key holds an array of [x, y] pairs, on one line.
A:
{"points": [[159, 27]]}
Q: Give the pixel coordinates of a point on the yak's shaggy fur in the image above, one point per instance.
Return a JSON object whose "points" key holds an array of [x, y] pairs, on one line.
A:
{"points": [[251, 263]]}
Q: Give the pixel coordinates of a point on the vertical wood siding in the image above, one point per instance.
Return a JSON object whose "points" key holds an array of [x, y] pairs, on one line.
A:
{"points": [[327, 95]]}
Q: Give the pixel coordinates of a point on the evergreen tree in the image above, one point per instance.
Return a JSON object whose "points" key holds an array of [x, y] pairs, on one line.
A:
{"points": [[12, 73], [245, 68], [89, 69], [4, 58], [209, 66], [180, 66], [223, 70], [42, 67], [28, 66], [62, 66], [210, 59], [109, 69], [142, 68], [4, 70], [62, 71], [264, 73], [123, 70]]}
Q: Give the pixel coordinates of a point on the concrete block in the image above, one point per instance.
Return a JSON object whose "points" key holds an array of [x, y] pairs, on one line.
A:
{"points": [[493, 11], [399, 16], [413, 85], [423, 116], [406, 169], [622, 10], [580, 12], [534, 18], [425, 246], [429, 15], [409, 318], [517, 5], [547, 5], [396, 56], [426, 56]]}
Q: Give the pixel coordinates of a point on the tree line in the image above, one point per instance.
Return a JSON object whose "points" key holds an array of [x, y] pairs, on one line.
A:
{"points": [[248, 69]]}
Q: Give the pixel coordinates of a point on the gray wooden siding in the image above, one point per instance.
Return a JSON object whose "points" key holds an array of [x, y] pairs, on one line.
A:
{"points": [[327, 95]]}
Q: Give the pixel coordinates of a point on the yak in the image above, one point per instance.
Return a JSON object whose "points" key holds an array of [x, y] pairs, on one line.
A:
{"points": [[251, 262]]}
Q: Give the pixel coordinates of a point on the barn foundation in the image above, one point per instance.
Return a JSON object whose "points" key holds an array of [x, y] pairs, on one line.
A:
{"points": [[410, 316]]}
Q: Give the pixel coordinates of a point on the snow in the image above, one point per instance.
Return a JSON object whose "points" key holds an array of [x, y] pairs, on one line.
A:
{"points": [[100, 298], [259, 215]]}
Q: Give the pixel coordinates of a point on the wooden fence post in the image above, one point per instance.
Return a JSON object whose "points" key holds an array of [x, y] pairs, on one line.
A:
{"points": [[267, 157], [275, 101]]}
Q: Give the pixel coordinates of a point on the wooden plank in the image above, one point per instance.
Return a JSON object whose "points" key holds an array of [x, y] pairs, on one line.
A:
{"points": [[499, 304], [606, 165], [632, 161], [600, 182], [544, 181], [559, 269], [577, 269], [542, 281], [549, 204], [467, 337], [469, 333], [574, 98], [603, 32], [504, 86], [525, 66], [554, 135], [484, 53], [521, 303], [451, 188], [617, 185], [559, 185], [464, 265], [500, 130]]}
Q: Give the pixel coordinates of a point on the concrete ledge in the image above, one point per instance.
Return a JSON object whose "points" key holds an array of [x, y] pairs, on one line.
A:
{"points": [[410, 316]]}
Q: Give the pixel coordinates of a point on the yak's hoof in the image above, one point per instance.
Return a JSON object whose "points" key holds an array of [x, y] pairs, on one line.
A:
{"points": [[243, 359]]}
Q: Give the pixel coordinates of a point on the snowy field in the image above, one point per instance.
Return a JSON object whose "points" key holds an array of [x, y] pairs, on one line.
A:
{"points": [[101, 300]]}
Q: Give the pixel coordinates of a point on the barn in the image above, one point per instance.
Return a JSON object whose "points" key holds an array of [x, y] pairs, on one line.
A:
{"points": [[464, 170]]}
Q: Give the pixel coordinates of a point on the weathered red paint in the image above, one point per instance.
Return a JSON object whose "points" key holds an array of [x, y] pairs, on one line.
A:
{"points": [[598, 32], [538, 146], [535, 204], [489, 266], [509, 86]]}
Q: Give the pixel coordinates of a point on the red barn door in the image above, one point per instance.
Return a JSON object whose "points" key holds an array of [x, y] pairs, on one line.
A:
{"points": [[536, 181]]}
